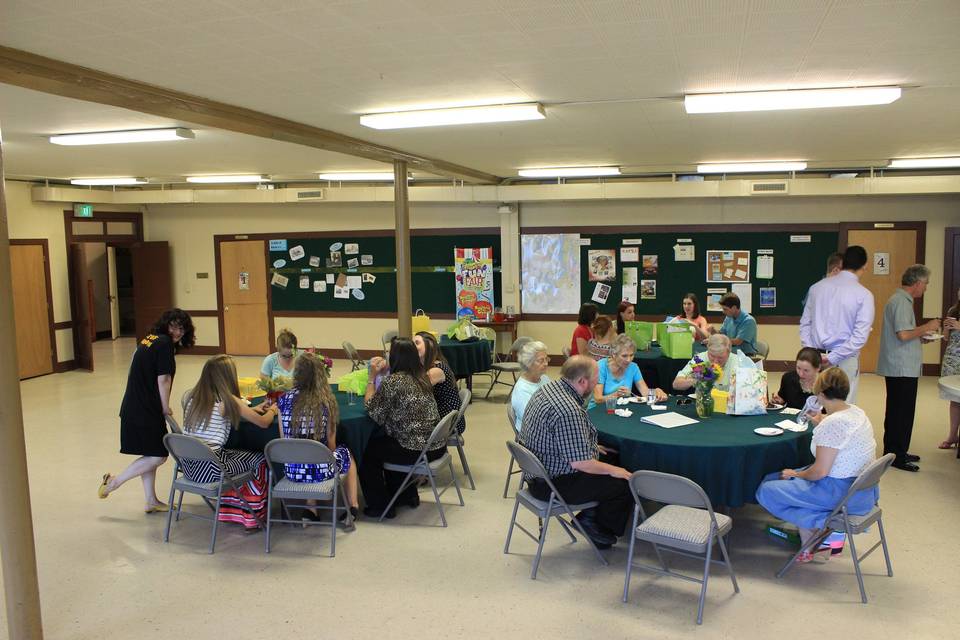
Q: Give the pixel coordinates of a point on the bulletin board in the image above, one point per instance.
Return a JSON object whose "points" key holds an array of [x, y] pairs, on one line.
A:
{"points": [[726, 265]]}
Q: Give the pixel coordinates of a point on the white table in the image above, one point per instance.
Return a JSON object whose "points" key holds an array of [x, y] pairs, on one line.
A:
{"points": [[950, 387]]}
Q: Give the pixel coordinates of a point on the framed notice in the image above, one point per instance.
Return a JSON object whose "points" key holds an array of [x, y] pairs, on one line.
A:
{"points": [[724, 265]]}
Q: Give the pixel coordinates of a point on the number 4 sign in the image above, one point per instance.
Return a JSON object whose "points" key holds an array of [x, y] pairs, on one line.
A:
{"points": [[881, 264]]}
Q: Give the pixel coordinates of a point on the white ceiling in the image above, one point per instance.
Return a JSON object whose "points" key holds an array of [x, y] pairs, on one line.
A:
{"points": [[623, 63]]}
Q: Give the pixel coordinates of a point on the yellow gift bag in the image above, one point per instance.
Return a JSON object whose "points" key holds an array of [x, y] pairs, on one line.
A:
{"points": [[421, 321], [719, 400]]}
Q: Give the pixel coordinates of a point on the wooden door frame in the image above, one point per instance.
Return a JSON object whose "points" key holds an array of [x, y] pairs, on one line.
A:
{"points": [[46, 274], [70, 239]]}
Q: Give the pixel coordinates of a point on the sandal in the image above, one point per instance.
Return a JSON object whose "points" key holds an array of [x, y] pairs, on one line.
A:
{"points": [[157, 508], [947, 444], [104, 489]]}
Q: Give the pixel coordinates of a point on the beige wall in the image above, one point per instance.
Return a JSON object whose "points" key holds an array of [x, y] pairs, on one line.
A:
{"points": [[190, 229]]}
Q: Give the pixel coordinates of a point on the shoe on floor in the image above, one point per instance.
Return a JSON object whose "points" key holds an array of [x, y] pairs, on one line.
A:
{"points": [[912, 458], [905, 466], [592, 528]]}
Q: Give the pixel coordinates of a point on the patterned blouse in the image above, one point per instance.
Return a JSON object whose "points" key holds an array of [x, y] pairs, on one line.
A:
{"points": [[407, 412], [447, 394], [850, 432], [599, 350]]}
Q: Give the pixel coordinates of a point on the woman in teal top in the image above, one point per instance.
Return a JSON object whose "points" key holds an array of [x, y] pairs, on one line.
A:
{"points": [[281, 362], [619, 374]]}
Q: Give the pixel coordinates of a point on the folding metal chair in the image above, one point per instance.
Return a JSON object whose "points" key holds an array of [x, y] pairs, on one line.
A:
{"points": [[515, 432], [687, 526], [554, 507], [456, 440], [841, 520], [183, 447], [424, 467], [510, 366], [356, 362], [172, 425], [566, 353], [298, 451]]}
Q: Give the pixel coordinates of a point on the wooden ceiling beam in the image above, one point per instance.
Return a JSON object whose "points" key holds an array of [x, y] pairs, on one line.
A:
{"points": [[32, 71]]}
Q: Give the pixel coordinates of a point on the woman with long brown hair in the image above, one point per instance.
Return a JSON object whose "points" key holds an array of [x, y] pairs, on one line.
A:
{"points": [[445, 390], [691, 313], [951, 367], [310, 410]]}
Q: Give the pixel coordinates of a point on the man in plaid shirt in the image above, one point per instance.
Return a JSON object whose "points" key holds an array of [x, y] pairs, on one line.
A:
{"points": [[557, 429]]}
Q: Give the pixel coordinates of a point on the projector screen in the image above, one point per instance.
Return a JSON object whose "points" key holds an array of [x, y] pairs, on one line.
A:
{"points": [[550, 272]]}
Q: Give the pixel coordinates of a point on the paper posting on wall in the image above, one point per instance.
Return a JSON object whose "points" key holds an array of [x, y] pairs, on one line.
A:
{"points": [[684, 253], [743, 261], [629, 254], [881, 264], [740, 274], [314, 261], [279, 281], [630, 277], [601, 265], [600, 293], [330, 278], [648, 289], [279, 264], [336, 246], [336, 259], [765, 267], [650, 265], [278, 245], [630, 293], [354, 282], [319, 286], [727, 273], [353, 263], [633, 241], [342, 280], [244, 281], [297, 252], [351, 248], [744, 291], [304, 282], [358, 294], [366, 259], [368, 277], [341, 292], [768, 297], [713, 298]]}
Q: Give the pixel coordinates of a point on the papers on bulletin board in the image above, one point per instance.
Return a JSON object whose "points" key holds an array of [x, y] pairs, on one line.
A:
{"points": [[353, 263], [354, 282], [768, 297], [297, 252], [629, 254], [368, 277], [684, 253], [351, 248], [600, 293], [366, 260], [330, 278], [341, 292], [648, 289], [314, 261], [319, 286], [713, 298], [630, 276], [279, 281], [304, 282], [633, 241], [765, 267], [602, 265], [744, 291], [630, 293]]}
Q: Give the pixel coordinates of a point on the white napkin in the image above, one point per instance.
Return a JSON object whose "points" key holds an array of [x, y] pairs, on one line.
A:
{"points": [[658, 407], [789, 411], [628, 399], [624, 413], [790, 425]]}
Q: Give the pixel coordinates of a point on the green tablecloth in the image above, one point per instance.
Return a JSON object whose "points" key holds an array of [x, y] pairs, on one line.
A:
{"points": [[354, 431], [659, 370], [467, 358], [722, 453]]}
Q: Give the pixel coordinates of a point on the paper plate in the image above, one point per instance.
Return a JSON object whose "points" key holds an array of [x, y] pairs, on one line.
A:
{"points": [[773, 406], [933, 336], [768, 431]]}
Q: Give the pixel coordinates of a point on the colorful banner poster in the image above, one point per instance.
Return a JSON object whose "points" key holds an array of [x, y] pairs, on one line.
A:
{"points": [[474, 272]]}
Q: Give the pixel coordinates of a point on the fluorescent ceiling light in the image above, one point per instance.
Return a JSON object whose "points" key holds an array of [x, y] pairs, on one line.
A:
{"points": [[569, 172], [750, 167], [226, 179], [792, 99], [97, 182], [457, 115], [117, 137], [357, 176], [924, 163]]}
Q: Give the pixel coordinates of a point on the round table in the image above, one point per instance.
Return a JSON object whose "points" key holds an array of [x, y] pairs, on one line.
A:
{"points": [[950, 389], [467, 358], [721, 453], [658, 370], [354, 430]]}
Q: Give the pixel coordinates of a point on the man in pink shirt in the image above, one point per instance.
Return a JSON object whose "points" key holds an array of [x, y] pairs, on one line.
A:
{"points": [[838, 317]]}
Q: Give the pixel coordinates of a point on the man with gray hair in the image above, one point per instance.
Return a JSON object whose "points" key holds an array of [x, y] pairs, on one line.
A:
{"points": [[901, 364], [557, 429], [718, 352]]}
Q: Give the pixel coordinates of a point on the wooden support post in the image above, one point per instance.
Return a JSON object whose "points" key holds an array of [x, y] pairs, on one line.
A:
{"points": [[401, 210], [20, 587]]}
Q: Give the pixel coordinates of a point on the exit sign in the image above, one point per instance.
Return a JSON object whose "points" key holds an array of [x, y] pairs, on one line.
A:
{"points": [[82, 210]]}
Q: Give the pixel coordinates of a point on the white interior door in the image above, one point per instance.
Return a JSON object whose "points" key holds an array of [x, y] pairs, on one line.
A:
{"points": [[112, 293]]}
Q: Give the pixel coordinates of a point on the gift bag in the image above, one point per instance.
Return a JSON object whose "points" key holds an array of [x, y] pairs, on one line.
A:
{"points": [[420, 322], [463, 330], [676, 340], [640, 332], [748, 386], [355, 381]]}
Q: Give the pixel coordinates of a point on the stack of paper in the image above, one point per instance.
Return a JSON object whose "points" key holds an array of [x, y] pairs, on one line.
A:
{"points": [[669, 420], [790, 425]]}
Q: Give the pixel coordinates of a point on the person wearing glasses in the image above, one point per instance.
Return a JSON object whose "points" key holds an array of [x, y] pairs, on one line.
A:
{"points": [[281, 362]]}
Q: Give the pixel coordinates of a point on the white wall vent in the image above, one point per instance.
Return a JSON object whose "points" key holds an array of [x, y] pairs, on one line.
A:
{"points": [[310, 195], [769, 187]]}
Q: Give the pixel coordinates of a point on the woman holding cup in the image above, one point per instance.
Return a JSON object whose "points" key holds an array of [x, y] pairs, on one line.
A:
{"points": [[619, 375]]}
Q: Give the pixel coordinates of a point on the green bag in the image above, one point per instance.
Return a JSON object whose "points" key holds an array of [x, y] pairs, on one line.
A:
{"points": [[355, 381], [641, 332], [676, 340]]}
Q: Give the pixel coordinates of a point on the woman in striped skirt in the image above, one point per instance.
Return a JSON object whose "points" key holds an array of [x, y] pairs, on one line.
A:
{"points": [[213, 408]]}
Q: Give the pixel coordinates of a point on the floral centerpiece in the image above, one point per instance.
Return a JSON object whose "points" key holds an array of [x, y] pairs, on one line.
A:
{"points": [[326, 360], [705, 375], [274, 387]]}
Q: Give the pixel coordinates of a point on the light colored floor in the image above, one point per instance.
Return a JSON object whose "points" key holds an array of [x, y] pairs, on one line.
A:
{"points": [[105, 572]]}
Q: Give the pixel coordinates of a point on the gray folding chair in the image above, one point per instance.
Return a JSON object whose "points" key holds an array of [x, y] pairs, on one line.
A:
{"points": [[763, 350], [386, 339], [510, 366], [428, 468], [686, 525], [515, 432], [299, 451], [841, 520], [554, 507], [173, 426], [566, 353], [456, 440], [356, 362], [183, 447]]}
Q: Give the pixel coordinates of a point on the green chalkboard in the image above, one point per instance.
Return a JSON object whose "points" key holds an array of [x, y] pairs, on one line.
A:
{"points": [[432, 279], [797, 265]]}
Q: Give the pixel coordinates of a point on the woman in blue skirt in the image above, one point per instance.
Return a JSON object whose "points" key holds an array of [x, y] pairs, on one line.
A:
{"points": [[844, 446]]}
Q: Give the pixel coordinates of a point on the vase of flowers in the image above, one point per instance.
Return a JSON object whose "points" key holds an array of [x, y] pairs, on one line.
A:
{"points": [[705, 375], [274, 387]]}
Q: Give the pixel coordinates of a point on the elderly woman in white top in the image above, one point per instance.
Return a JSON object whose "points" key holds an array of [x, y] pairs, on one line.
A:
{"points": [[718, 352], [533, 361], [844, 446]]}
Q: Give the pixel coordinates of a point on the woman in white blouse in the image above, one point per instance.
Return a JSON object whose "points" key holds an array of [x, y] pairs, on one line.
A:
{"points": [[843, 445], [533, 361]]}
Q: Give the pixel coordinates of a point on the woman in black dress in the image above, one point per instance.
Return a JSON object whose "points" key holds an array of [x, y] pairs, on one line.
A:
{"points": [[146, 403], [797, 385], [445, 390]]}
